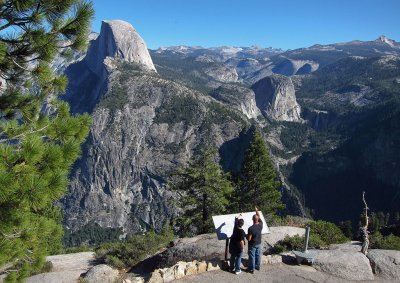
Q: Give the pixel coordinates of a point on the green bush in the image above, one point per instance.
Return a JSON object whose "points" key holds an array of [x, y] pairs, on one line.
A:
{"points": [[322, 234], [135, 248], [289, 243], [296, 243], [390, 242], [328, 232]]}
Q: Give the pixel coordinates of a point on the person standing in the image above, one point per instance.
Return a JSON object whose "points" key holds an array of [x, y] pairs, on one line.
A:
{"points": [[254, 238], [236, 246]]}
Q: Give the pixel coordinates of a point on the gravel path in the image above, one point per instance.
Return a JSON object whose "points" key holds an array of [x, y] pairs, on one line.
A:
{"points": [[273, 273]]}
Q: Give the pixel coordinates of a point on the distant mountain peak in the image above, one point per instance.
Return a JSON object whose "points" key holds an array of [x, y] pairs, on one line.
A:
{"points": [[386, 40], [118, 39]]}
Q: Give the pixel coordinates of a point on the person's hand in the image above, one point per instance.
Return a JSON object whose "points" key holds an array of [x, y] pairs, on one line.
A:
{"points": [[256, 208]]}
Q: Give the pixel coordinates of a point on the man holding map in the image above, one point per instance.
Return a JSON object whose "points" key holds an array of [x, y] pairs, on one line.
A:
{"points": [[254, 238]]}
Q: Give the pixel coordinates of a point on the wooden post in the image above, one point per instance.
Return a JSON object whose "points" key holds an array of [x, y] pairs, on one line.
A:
{"points": [[226, 248]]}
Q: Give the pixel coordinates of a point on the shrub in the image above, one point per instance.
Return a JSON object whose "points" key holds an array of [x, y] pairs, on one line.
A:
{"points": [[134, 249], [328, 232], [289, 243], [322, 234], [390, 242], [296, 243]]}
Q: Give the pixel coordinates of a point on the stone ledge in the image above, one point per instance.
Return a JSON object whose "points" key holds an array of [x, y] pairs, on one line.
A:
{"points": [[182, 269]]}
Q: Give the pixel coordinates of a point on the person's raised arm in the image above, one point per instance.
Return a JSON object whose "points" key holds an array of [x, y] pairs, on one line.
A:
{"points": [[257, 212]]}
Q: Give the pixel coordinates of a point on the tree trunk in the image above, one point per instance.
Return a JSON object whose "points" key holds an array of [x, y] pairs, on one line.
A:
{"points": [[205, 212], [365, 243]]}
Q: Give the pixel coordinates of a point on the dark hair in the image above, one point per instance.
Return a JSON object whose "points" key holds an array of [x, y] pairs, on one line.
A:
{"points": [[240, 223]]}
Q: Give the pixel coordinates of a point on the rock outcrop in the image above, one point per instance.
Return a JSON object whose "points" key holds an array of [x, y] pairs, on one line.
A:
{"points": [[142, 128], [222, 73], [118, 39], [207, 247], [65, 268], [87, 79], [240, 98], [349, 265], [385, 263], [275, 97], [101, 273]]}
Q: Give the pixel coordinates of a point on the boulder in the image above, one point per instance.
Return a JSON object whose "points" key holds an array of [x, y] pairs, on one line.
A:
{"points": [[191, 268], [212, 266], [156, 277], [179, 270], [102, 273], [348, 265], [385, 263], [201, 267], [132, 278], [167, 274]]}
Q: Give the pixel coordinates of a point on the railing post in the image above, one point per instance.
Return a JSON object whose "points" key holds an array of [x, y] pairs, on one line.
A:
{"points": [[306, 238]]}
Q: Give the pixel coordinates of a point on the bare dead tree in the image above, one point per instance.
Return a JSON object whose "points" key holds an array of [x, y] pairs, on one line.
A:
{"points": [[364, 229]]}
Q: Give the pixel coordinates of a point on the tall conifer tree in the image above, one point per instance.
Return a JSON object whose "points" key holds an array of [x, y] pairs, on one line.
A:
{"points": [[39, 139], [204, 191], [258, 182]]}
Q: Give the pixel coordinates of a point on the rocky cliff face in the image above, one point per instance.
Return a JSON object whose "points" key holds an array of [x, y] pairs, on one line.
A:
{"points": [[143, 127], [118, 39], [275, 97], [240, 98], [88, 77]]}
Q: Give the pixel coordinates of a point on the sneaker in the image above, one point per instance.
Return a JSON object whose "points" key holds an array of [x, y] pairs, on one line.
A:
{"points": [[250, 271], [258, 268], [238, 272]]}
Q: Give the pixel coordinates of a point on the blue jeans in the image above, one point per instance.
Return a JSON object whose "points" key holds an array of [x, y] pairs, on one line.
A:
{"points": [[254, 256], [235, 261]]}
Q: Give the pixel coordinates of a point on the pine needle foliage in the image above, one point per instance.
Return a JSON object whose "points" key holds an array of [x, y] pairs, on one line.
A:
{"points": [[39, 139], [204, 190], [258, 183]]}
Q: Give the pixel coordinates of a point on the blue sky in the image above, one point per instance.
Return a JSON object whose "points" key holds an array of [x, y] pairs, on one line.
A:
{"points": [[286, 24]]}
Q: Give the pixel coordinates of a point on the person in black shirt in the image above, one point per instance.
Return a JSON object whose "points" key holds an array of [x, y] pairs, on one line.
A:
{"points": [[254, 238], [236, 246]]}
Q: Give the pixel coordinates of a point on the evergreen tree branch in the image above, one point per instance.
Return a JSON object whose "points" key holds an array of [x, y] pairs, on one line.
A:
{"points": [[24, 134]]}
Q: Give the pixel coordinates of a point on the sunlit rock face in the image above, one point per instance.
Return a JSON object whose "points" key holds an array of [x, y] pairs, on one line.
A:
{"points": [[275, 97], [118, 39]]}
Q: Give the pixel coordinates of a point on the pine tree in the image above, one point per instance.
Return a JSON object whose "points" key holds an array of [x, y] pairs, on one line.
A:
{"points": [[258, 183], [39, 139], [204, 191]]}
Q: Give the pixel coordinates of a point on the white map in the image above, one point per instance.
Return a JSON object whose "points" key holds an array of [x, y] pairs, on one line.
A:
{"points": [[224, 224]]}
